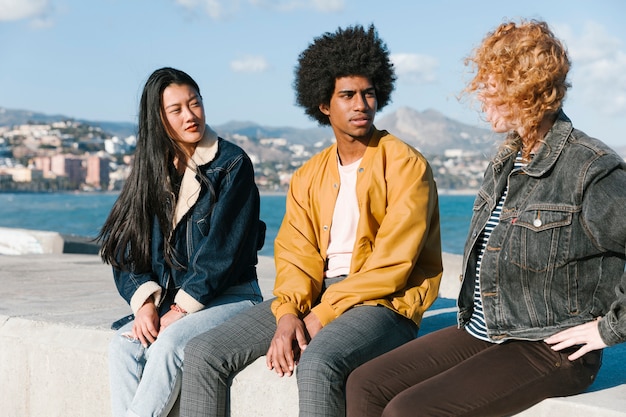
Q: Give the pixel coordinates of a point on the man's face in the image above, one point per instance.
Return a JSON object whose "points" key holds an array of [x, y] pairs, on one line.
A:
{"points": [[352, 107]]}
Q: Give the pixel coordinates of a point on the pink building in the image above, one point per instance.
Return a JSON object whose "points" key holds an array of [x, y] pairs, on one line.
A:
{"points": [[44, 164], [70, 166], [97, 171]]}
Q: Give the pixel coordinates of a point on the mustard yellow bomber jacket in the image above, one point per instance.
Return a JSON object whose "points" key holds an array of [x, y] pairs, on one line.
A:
{"points": [[396, 260]]}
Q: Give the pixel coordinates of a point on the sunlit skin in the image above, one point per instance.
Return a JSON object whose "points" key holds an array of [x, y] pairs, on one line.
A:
{"points": [[185, 122], [502, 116], [147, 325], [586, 335], [498, 115], [184, 116], [351, 113]]}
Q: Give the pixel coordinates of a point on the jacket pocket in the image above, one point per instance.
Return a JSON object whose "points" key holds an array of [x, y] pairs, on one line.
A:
{"points": [[203, 226], [540, 239]]}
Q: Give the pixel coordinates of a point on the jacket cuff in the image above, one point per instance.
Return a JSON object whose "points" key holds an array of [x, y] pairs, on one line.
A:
{"points": [[324, 312], [283, 309], [145, 291], [187, 302], [607, 328]]}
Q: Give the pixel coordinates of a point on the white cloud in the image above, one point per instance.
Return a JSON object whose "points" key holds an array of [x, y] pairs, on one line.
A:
{"points": [[415, 67], [250, 64], [22, 9], [326, 6], [592, 44], [219, 9], [329, 5], [598, 72], [215, 9]]}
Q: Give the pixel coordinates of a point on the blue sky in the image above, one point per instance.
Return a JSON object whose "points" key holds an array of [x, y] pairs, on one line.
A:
{"points": [[89, 59]]}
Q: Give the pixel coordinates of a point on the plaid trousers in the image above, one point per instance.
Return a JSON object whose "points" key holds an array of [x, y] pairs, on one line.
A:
{"points": [[358, 335]]}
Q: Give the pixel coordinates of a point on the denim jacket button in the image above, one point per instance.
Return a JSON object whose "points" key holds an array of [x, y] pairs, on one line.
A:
{"points": [[537, 223]]}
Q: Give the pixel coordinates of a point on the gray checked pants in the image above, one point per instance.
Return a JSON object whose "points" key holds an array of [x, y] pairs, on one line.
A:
{"points": [[358, 335]]}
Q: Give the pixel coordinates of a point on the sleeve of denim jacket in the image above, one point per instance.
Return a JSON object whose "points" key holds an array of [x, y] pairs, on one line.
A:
{"points": [[613, 326], [136, 288], [603, 212], [232, 232]]}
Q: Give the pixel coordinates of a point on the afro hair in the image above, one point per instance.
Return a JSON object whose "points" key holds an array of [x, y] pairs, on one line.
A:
{"points": [[347, 52]]}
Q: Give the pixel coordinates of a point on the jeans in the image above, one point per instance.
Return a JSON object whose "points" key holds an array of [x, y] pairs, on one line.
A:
{"points": [[452, 373], [146, 382], [359, 334]]}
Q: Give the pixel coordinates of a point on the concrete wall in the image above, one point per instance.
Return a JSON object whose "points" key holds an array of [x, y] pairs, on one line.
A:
{"points": [[55, 312]]}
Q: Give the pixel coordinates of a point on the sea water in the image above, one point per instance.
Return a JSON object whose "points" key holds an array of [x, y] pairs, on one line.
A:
{"points": [[82, 214]]}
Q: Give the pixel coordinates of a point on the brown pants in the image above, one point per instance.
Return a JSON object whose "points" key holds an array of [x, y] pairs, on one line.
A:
{"points": [[451, 373]]}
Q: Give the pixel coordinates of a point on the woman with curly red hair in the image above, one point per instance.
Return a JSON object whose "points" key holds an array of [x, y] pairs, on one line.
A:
{"points": [[544, 289]]}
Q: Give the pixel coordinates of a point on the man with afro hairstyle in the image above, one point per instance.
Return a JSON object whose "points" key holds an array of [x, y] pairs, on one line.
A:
{"points": [[358, 254]]}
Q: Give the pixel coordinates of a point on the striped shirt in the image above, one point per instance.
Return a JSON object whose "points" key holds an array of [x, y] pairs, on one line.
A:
{"points": [[476, 326]]}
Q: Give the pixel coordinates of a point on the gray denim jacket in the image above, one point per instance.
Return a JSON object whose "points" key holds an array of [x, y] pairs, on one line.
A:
{"points": [[556, 259]]}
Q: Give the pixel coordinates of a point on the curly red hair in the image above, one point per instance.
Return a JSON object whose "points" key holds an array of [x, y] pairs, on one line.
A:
{"points": [[528, 66]]}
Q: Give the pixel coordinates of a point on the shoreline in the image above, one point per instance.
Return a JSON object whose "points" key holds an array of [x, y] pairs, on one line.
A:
{"points": [[78, 216], [442, 191], [462, 192], [18, 241]]}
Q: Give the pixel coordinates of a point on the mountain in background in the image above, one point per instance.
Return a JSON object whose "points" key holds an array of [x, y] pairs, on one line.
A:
{"points": [[9, 117], [293, 135], [433, 133], [429, 131]]}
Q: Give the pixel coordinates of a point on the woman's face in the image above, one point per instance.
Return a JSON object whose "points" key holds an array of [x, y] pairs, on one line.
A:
{"points": [[184, 115], [499, 115]]}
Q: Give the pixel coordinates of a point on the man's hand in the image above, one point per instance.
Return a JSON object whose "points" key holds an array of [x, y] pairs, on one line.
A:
{"points": [[146, 324], [586, 335], [313, 325], [288, 341]]}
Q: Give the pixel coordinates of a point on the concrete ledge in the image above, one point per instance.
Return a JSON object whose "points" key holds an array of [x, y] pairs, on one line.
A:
{"points": [[22, 241], [55, 313], [50, 369], [36, 242]]}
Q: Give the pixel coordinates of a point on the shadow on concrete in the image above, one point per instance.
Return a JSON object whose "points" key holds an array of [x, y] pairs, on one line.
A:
{"points": [[80, 245]]}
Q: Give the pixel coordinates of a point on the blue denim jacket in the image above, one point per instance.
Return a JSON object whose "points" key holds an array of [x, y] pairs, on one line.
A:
{"points": [[216, 237], [556, 259]]}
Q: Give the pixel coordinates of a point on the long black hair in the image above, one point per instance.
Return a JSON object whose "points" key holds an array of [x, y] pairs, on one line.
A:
{"points": [[346, 52], [126, 235]]}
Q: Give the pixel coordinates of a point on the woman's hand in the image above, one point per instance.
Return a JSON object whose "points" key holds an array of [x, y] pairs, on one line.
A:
{"points": [[146, 324], [170, 317], [586, 335]]}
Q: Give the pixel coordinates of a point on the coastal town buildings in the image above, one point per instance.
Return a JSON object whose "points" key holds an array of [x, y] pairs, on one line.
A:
{"points": [[70, 155]]}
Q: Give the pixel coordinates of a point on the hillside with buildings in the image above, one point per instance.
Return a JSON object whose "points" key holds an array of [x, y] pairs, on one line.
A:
{"points": [[40, 152]]}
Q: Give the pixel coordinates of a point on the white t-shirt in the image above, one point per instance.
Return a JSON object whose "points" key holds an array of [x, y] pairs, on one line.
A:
{"points": [[345, 221]]}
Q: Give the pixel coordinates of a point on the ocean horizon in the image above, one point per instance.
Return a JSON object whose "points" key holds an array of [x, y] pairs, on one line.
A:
{"points": [[81, 214]]}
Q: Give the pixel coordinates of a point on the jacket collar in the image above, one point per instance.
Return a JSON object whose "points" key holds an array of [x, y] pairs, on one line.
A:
{"points": [[370, 151], [548, 151], [551, 147], [190, 186]]}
